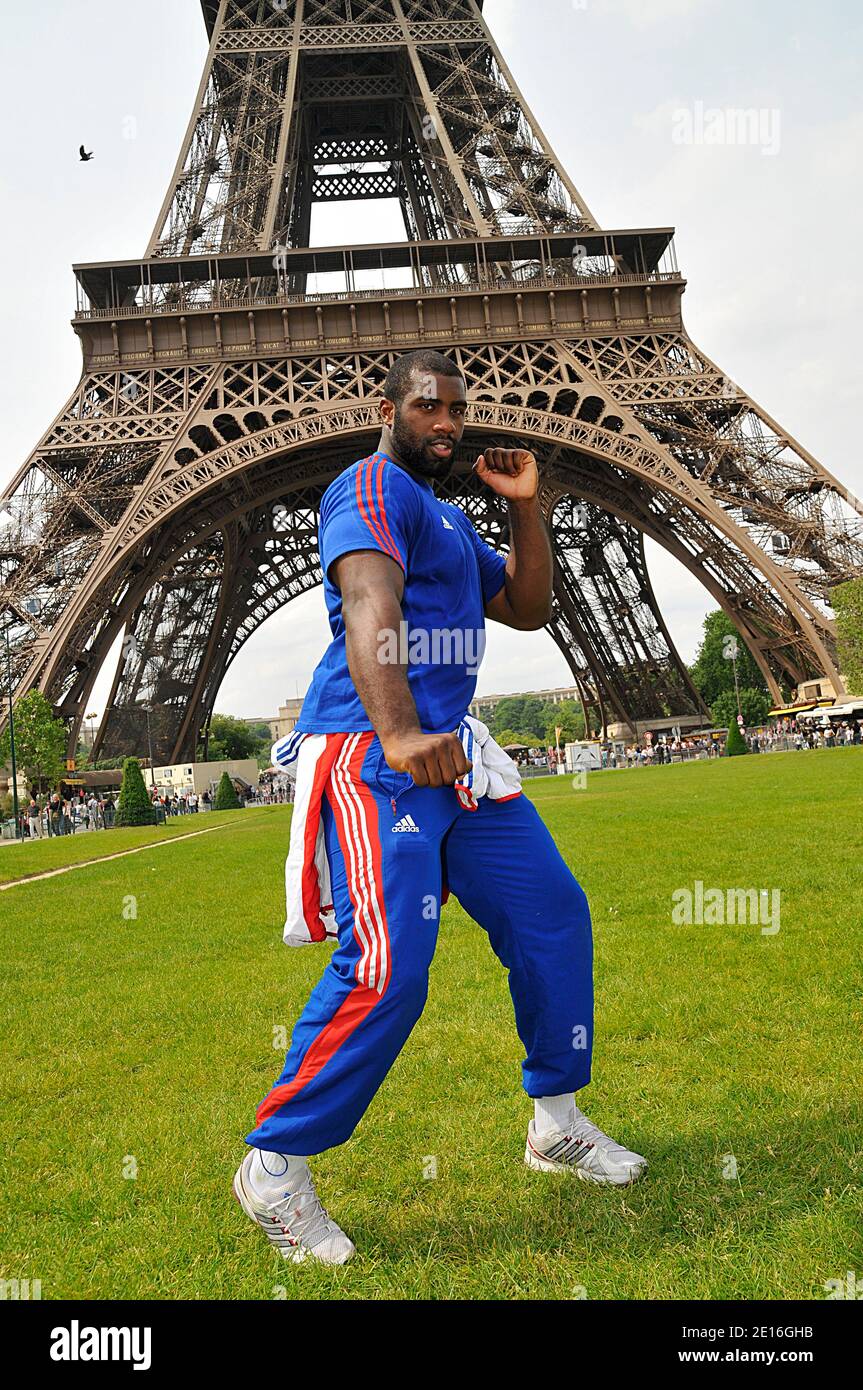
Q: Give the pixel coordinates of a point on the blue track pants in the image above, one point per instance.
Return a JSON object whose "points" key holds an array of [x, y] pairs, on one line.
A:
{"points": [[502, 864]]}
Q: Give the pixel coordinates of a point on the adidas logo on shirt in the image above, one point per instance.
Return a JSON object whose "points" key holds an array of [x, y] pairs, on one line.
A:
{"points": [[407, 823], [449, 526]]}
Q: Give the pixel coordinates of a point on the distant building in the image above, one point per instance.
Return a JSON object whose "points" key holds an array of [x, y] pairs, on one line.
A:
{"points": [[87, 735], [484, 705], [286, 719], [6, 782], [182, 778], [256, 723], [818, 689]]}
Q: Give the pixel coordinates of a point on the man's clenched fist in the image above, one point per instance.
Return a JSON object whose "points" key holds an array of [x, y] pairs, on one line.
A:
{"points": [[433, 760], [512, 473]]}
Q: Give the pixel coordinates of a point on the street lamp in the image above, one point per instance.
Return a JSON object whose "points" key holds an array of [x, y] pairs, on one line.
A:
{"points": [[148, 709], [12, 734], [91, 719], [33, 608], [150, 749], [730, 651]]}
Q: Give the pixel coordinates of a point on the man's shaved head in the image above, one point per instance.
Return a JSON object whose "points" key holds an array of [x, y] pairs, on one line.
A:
{"points": [[424, 361]]}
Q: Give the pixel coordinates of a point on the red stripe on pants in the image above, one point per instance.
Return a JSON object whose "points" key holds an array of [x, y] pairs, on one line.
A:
{"points": [[361, 1000], [310, 887]]}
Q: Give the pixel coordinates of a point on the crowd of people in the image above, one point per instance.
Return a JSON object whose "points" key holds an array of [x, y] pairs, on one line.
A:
{"points": [[536, 758], [65, 815], [271, 791], [614, 755], [794, 733], [182, 804], [655, 753], [784, 736], [42, 818]]}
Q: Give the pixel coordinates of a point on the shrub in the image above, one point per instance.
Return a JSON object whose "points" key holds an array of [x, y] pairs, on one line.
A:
{"points": [[226, 795], [735, 744], [134, 806]]}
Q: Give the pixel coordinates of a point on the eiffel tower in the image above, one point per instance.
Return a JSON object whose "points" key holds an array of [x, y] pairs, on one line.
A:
{"points": [[233, 371]]}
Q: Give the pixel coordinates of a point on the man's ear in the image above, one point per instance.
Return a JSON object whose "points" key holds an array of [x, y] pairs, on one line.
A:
{"points": [[388, 411]]}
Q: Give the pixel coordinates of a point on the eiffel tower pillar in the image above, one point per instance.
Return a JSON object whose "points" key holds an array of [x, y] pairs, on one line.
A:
{"points": [[233, 371]]}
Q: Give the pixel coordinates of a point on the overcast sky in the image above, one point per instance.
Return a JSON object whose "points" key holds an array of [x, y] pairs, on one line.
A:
{"points": [[768, 231]]}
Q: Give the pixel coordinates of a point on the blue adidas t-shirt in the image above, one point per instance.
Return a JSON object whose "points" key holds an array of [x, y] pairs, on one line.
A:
{"points": [[450, 575]]}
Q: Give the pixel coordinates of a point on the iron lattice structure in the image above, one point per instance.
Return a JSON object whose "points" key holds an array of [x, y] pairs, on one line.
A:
{"points": [[233, 371]]}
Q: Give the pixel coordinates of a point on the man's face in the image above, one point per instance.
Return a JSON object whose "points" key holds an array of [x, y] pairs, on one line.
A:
{"points": [[429, 423]]}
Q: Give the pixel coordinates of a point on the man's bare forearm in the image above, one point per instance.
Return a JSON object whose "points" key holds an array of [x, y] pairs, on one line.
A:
{"points": [[372, 591], [382, 685], [529, 566]]}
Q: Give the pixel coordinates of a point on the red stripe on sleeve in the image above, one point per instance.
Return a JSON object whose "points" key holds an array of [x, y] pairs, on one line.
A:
{"points": [[383, 511], [367, 513]]}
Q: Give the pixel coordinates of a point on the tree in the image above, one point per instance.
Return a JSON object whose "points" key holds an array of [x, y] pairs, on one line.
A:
{"points": [[134, 806], [508, 715], [568, 717], [712, 672], [754, 706], [82, 758], [735, 744], [534, 717], [847, 603], [231, 738], [226, 795], [513, 736], [40, 740]]}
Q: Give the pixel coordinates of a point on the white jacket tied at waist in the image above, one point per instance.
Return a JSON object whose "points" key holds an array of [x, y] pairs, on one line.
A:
{"points": [[307, 759]]}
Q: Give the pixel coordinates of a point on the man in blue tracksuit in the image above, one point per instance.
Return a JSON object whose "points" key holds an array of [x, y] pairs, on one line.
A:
{"points": [[408, 584]]}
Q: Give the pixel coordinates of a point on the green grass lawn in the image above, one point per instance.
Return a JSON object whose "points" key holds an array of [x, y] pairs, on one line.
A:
{"points": [[29, 857], [145, 1045]]}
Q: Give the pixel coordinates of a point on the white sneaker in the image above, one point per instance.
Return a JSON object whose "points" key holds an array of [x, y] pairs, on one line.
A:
{"points": [[586, 1151], [296, 1223]]}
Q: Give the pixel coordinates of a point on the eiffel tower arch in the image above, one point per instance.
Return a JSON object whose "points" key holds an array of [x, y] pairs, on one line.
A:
{"points": [[233, 371]]}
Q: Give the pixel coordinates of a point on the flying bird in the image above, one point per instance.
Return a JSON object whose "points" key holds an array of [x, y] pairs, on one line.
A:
{"points": [[84, 155]]}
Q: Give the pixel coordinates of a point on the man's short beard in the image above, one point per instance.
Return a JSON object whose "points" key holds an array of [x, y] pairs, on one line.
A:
{"points": [[413, 454]]}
